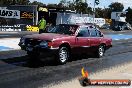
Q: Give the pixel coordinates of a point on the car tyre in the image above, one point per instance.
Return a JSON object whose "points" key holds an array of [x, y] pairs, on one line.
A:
{"points": [[63, 55], [100, 51]]}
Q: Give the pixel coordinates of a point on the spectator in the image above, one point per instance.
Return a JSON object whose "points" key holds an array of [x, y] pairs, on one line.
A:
{"points": [[42, 25]]}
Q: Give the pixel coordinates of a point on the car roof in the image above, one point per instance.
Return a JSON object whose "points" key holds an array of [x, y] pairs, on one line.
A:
{"points": [[89, 25], [86, 24]]}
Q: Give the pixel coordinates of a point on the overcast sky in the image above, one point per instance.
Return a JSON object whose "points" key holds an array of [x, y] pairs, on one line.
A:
{"points": [[103, 3]]}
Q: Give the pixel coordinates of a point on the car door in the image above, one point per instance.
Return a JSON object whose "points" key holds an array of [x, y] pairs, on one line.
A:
{"points": [[82, 40], [95, 39]]}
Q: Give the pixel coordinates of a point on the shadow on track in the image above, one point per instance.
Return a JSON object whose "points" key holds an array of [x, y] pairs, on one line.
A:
{"points": [[25, 61]]}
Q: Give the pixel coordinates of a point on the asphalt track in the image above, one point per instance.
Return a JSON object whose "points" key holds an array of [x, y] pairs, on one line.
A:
{"points": [[20, 73]]}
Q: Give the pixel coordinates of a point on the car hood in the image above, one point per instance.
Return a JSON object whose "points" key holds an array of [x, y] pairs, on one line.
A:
{"points": [[46, 36]]}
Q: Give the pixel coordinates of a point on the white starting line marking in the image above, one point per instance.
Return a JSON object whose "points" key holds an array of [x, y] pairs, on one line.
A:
{"points": [[116, 39], [119, 36], [7, 44]]}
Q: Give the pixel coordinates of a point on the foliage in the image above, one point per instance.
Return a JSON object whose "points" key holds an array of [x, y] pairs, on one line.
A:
{"points": [[129, 15], [99, 12], [37, 3], [116, 7], [81, 7], [107, 13], [14, 2]]}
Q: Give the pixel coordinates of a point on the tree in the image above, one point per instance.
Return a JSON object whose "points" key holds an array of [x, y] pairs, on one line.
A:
{"points": [[129, 15], [6, 2], [71, 5], [63, 2], [99, 13], [37, 3], [14, 2], [89, 10], [107, 13], [23, 2], [81, 7], [116, 7], [52, 5], [60, 5]]}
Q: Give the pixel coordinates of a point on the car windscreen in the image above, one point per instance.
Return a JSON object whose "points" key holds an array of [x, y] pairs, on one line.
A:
{"points": [[62, 29]]}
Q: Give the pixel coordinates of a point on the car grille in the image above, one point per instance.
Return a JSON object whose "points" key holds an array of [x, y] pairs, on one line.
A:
{"points": [[32, 42]]}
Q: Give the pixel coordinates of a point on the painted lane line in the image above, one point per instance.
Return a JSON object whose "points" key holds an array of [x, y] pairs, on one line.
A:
{"points": [[126, 38], [4, 35], [119, 36], [116, 39], [7, 44]]}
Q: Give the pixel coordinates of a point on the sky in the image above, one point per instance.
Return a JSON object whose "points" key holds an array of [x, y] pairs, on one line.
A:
{"points": [[103, 3]]}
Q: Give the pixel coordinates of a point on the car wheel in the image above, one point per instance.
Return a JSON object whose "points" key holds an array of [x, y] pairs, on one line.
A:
{"points": [[100, 51], [63, 55]]}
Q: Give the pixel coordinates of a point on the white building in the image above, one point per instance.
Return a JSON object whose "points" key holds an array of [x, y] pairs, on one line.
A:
{"points": [[76, 18], [119, 16]]}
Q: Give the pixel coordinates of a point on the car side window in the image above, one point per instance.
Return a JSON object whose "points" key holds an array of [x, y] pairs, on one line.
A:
{"points": [[98, 33], [83, 32], [93, 33]]}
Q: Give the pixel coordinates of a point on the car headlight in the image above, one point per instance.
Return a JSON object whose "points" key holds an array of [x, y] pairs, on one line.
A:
{"points": [[44, 44]]}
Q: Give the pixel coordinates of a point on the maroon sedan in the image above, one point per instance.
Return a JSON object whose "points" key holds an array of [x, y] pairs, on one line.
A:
{"points": [[63, 41]]}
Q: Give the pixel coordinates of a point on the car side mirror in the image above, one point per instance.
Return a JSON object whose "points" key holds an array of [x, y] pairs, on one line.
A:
{"points": [[79, 35]]}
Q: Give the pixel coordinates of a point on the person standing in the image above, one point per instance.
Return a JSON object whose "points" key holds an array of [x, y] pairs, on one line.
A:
{"points": [[42, 25]]}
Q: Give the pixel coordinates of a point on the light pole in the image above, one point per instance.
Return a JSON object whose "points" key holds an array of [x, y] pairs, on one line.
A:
{"points": [[94, 12], [33, 13], [96, 2]]}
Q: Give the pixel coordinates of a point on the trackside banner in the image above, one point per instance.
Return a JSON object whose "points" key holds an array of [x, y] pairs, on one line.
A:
{"points": [[16, 27], [5, 13]]}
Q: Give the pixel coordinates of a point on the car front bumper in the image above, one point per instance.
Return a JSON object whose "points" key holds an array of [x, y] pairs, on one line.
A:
{"points": [[45, 51]]}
